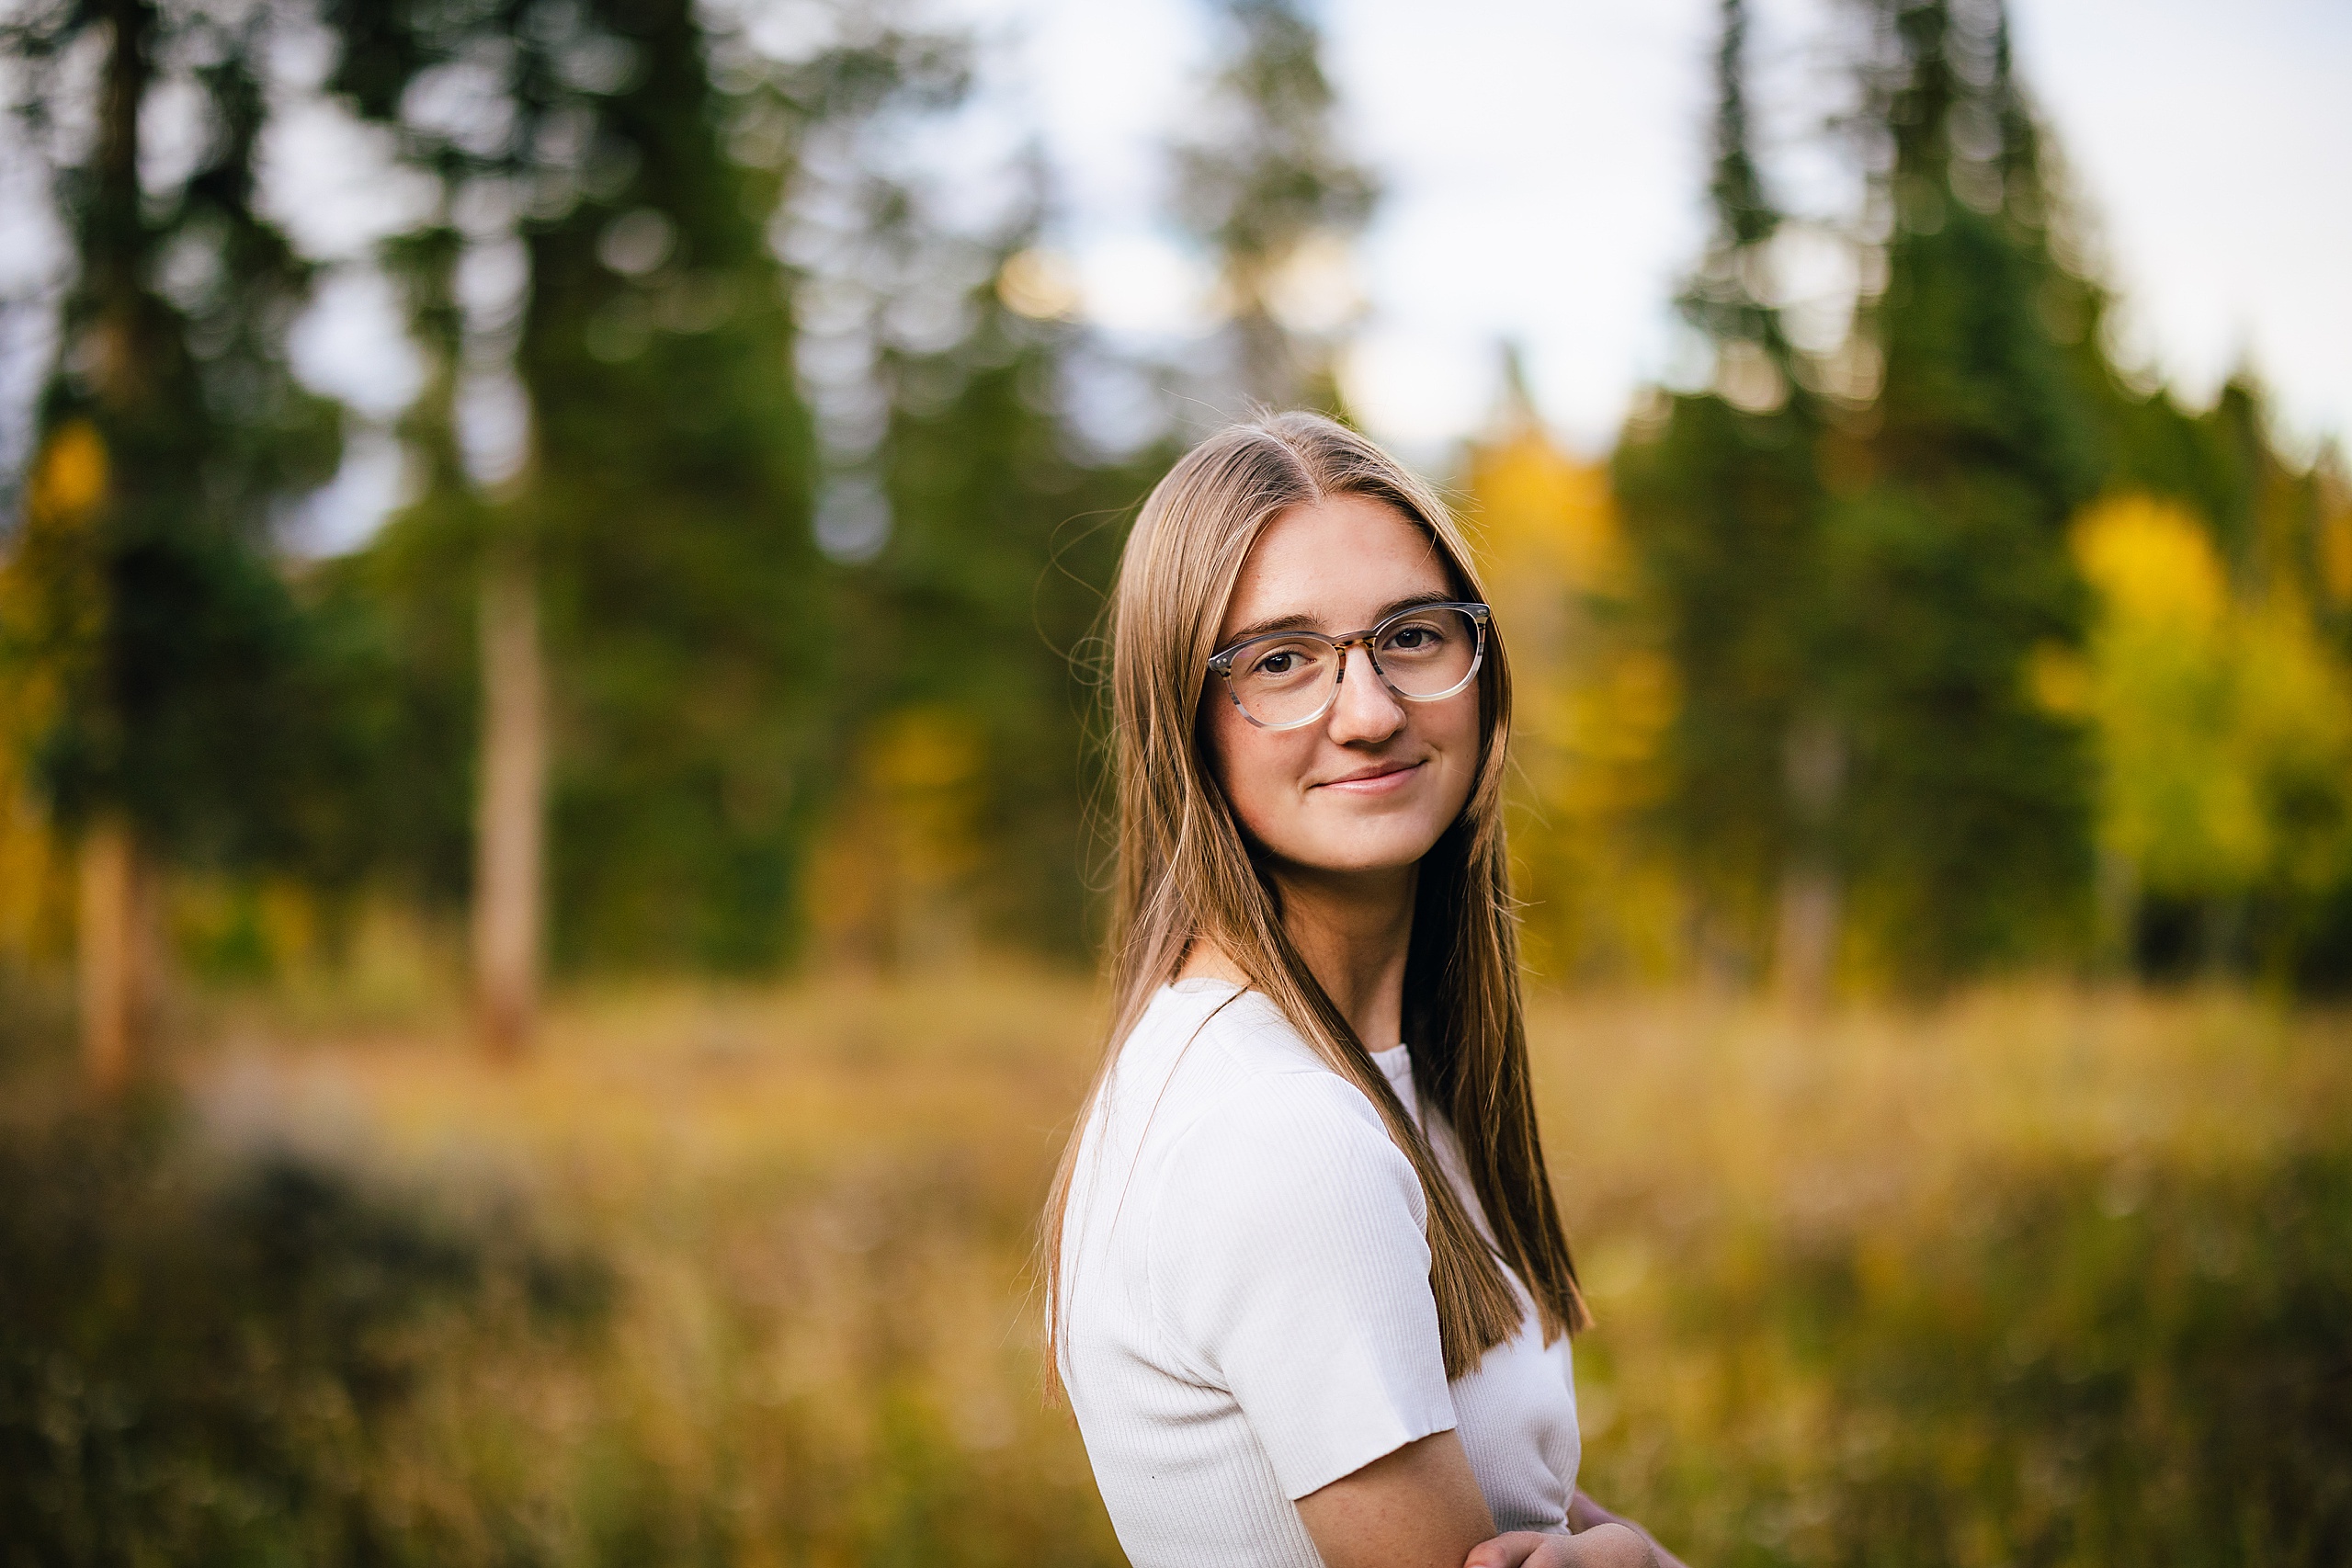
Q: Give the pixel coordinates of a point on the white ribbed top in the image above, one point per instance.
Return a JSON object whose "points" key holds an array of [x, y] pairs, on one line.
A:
{"points": [[1246, 1283]]}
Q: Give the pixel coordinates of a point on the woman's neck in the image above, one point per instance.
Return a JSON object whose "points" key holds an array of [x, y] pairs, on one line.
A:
{"points": [[1354, 931]]}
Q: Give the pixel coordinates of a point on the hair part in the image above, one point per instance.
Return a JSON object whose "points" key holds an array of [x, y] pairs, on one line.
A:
{"points": [[1187, 872]]}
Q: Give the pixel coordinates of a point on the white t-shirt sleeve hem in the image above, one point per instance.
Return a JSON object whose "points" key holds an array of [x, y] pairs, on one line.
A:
{"points": [[1290, 1264], [1341, 1464]]}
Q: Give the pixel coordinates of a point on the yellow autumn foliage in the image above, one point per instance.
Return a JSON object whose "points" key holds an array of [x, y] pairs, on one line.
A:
{"points": [[2223, 725], [1594, 702], [2335, 540], [891, 880], [71, 479], [68, 482]]}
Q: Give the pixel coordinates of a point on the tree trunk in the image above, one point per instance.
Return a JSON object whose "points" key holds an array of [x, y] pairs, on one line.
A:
{"points": [[2117, 910], [1806, 944], [119, 949], [116, 240], [1811, 896], [509, 825]]}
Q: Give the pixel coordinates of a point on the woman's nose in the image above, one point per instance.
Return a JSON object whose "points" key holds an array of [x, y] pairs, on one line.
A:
{"points": [[1367, 709]]}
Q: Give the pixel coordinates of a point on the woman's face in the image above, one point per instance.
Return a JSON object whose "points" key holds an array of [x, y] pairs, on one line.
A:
{"points": [[1371, 785]]}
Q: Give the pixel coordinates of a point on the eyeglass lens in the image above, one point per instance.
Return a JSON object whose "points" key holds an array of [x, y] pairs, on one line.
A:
{"points": [[1283, 680]]}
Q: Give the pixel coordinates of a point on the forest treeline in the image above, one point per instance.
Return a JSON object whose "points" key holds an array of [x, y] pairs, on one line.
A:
{"points": [[760, 502]]}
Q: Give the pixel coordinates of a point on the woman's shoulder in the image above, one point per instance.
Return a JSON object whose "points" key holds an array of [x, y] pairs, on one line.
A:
{"points": [[1205, 1041], [1231, 1087]]}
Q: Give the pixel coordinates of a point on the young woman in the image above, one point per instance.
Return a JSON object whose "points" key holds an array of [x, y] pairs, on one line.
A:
{"points": [[1308, 1294]]}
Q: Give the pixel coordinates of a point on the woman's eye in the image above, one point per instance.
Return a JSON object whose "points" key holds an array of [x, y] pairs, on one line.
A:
{"points": [[1284, 662], [1413, 638]]}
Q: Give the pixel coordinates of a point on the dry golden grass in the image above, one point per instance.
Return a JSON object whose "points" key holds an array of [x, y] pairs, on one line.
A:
{"points": [[1952, 1284], [817, 1203]]}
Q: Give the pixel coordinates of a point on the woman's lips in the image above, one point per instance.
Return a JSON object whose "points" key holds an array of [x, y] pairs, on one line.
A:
{"points": [[1375, 784]]}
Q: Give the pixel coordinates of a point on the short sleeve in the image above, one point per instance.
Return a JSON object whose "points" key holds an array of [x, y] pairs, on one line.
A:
{"points": [[1290, 1263]]}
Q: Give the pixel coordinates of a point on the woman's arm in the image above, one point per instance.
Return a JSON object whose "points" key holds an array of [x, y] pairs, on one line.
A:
{"points": [[1417, 1507], [1583, 1514], [1420, 1508]]}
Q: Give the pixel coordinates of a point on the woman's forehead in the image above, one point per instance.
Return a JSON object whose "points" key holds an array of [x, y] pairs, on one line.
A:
{"points": [[1335, 563]]}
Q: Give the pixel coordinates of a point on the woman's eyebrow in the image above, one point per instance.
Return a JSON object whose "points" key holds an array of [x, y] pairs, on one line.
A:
{"points": [[1410, 601], [1295, 621], [1300, 621]]}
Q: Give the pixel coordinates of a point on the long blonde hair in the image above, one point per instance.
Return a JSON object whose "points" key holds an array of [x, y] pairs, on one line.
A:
{"points": [[1186, 873]]}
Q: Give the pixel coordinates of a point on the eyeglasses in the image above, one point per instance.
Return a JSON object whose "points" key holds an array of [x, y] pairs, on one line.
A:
{"points": [[1284, 679]]}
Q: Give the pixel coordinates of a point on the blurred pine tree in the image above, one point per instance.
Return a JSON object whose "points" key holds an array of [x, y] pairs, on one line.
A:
{"points": [[1723, 507], [658, 522], [770, 604], [1279, 203], [966, 828], [1007, 540], [157, 660], [1861, 553], [687, 613], [1945, 547]]}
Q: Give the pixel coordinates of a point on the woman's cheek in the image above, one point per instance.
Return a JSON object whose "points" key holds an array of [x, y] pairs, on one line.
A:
{"points": [[1236, 749], [1463, 743]]}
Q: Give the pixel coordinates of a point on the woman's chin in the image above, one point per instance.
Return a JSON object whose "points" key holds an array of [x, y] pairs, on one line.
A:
{"points": [[1372, 856]]}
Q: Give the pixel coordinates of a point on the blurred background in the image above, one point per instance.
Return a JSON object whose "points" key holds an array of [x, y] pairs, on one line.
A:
{"points": [[551, 555]]}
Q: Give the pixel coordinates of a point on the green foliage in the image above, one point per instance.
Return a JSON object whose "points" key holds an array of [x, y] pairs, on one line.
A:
{"points": [[1968, 831], [1969, 838], [985, 601], [1968, 816], [157, 662], [1722, 297], [393, 736], [711, 669], [200, 1359], [688, 619], [1724, 504], [2224, 731], [1856, 561], [1722, 507], [2156, 1384], [1275, 197], [2092, 1363], [1861, 557], [686, 610]]}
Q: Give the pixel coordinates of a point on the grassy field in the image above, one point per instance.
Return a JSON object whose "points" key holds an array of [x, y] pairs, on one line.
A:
{"points": [[2039, 1276]]}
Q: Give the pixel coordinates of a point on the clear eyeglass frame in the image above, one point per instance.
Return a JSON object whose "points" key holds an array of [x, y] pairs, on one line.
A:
{"points": [[1222, 661]]}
